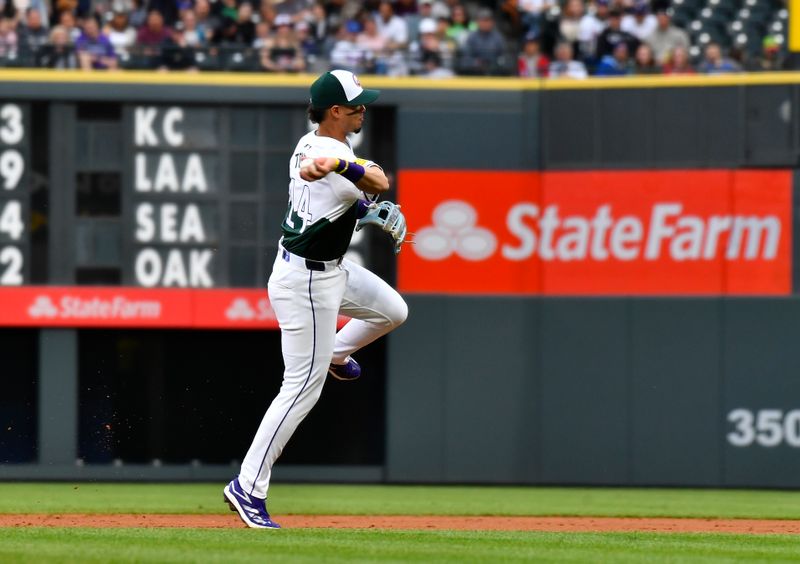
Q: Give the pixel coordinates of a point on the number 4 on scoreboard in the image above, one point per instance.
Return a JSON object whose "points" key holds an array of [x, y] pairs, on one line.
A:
{"points": [[11, 220]]}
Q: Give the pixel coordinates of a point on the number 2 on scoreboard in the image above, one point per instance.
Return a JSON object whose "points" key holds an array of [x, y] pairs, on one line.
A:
{"points": [[10, 266]]}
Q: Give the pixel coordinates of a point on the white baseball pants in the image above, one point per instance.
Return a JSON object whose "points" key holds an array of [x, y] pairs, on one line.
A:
{"points": [[307, 304]]}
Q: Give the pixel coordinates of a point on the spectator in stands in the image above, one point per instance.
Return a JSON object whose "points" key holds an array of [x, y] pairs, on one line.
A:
{"points": [[152, 39], [532, 12], [678, 62], [531, 63], [14, 9], [714, 63], [58, 54], [95, 51], [373, 46], [137, 14], [320, 27], [485, 48], [424, 12], [613, 36], [433, 67], [346, 53], [207, 22], [618, 63], [570, 22], [509, 19], [226, 35], [447, 45], [666, 37], [310, 47], [228, 9], [267, 12], [246, 27], [67, 20], [299, 10], [591, 26], [189, 34], [644, 61], [391, 26], [441, 9], [9, 41], [419, 52], [369, 39], [564, 64], [405, 8], [167, 8], [263, 35], [771, 58], [32, 34], [640, 22], [283, 53], [119, 32], [154, 33], [460, 25]]}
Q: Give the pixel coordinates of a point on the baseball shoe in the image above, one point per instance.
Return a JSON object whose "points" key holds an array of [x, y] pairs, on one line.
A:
{"points": [[350, 370], [251, 509]]}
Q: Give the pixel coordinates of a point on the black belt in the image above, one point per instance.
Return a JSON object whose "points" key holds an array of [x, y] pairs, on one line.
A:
{"points": [[310, 264]]}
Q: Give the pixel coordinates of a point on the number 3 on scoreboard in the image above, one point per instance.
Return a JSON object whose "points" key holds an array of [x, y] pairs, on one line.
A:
{"points": [[10, 266]]}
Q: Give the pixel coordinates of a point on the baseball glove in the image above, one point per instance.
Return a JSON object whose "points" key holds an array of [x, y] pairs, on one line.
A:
{"points": [[388, 217]]}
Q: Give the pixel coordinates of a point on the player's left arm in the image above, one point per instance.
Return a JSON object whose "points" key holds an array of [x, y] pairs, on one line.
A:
{"points": [[374, 180]]}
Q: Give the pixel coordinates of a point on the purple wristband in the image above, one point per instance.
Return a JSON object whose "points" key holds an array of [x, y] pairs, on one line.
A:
{"points": [[350, 170]]}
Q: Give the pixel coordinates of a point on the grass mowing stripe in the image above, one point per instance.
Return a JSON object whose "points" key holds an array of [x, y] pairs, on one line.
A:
{"points": [[182, 545], [403, 500]]}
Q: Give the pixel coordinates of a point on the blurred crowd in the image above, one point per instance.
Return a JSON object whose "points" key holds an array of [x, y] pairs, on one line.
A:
{"points": [[433, 38]]}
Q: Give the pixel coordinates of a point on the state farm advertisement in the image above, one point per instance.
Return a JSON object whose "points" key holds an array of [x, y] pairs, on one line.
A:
{"points": [[46, 306], [710, 232]]}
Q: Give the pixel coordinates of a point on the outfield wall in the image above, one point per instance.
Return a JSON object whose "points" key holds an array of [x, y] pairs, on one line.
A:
{"points": [[644, 338]]}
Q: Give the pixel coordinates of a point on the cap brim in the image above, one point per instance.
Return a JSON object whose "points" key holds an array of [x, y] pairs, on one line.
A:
{"points": [[366, 97]]}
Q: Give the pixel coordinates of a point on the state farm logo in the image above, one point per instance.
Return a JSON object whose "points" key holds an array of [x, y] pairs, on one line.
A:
{"points": [[75, 307], [454, 231], [666, 231], [43, 307], [242, 309]]}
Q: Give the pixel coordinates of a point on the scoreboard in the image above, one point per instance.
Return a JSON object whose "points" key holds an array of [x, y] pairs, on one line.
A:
{"points": [[173, 208], [156, 214], [14, 194]]}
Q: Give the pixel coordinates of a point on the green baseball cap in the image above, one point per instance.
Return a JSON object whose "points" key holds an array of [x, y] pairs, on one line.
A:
{"points": [[340, 88]]}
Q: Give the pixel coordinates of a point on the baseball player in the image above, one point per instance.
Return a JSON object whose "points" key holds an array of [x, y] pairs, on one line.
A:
{"points": [[331, 192]]}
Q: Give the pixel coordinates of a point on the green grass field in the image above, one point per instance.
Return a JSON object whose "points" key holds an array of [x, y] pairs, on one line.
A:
{"points": [[40, 544]]}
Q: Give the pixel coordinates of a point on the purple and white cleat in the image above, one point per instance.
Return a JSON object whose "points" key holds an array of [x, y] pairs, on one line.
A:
{"points": [[251, 509], [350, 370]]}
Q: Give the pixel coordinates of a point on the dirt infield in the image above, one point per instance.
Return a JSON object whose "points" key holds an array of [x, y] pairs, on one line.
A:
{"points": [[416, 522]]}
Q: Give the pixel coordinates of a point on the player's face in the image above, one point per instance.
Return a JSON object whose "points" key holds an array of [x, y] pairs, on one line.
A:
{"points": [[355, 117]]}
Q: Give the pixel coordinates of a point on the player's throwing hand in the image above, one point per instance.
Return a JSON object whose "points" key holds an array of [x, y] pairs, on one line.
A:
{"points": [[315, 169]]}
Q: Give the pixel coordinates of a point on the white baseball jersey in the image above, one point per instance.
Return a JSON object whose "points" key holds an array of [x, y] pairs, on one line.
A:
{"points": [[321, 216]]}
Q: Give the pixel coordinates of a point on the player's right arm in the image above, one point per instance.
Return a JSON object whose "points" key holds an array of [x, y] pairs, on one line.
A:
{"points": [[372, 181]]}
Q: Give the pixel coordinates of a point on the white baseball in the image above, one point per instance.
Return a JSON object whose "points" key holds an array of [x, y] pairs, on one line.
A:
{"points": [[306, 162]]}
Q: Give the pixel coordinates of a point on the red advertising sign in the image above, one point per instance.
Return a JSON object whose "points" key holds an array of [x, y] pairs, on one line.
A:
{"points": [[679, 232], [46, 306]]}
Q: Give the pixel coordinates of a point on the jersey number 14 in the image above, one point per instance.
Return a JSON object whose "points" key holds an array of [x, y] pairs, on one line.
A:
{"points": [[299, 207]]}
